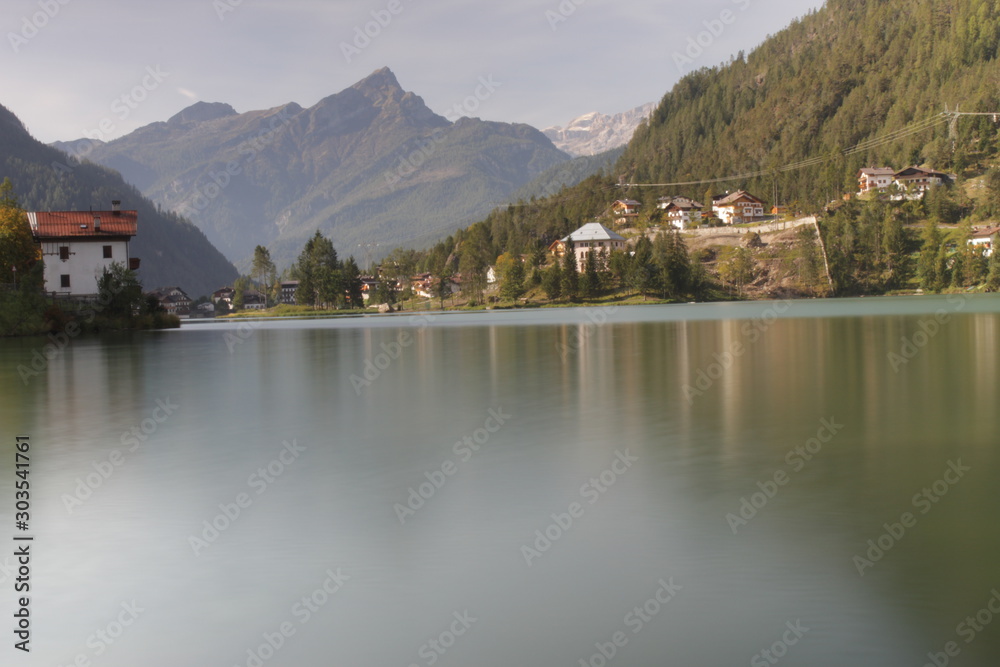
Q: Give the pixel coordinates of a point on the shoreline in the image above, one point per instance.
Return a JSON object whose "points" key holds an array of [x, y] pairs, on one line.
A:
{"points": [[865, 306]]}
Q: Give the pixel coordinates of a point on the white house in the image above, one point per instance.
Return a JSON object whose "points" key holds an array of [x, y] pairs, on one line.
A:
{"points": [[682, 212], [738, 208], [224, 294], [592, 237], [288, 290], [875, 178], [626, 211], [919, 180], [983, 238], [174, 300], [78, 245], [253, 300]]}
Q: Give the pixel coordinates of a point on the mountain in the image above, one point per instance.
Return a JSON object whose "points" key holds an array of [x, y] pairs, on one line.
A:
{"points": [[595, 132], [857, 83], [372, 167], [568, 174], [173, 251]]}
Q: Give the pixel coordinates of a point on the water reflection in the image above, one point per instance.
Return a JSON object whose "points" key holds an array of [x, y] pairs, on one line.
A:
{"points": [[577, 394]]}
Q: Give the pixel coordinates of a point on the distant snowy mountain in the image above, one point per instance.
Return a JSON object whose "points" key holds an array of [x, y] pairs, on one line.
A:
{"points": [[595, 132]]}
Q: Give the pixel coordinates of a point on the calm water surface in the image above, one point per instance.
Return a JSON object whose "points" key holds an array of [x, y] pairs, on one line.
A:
{"points": [[518, 489]]}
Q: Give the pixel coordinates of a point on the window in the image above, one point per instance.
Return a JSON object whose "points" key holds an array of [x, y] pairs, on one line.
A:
{"points": [[64, 252], [107, 252], [64, 280]]}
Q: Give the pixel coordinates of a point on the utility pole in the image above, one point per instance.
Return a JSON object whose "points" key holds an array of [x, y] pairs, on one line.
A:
{"points": [[953, 125], [369, 247]]}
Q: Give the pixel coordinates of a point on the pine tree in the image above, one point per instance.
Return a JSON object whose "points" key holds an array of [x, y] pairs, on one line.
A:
{"points": [[993, 278], [807, 256], [680, 265], [263, 270], [895, 258], [319, 275], [552, 282], [589, 281], [641, 269], [352, 283], [931, 271], [476, 253], [570, 274], [513, 283], [442, 281], [385, 291]]}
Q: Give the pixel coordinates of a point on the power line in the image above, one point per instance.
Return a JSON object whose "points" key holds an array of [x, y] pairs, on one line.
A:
{"points": [[916, 127], [868, 144]]}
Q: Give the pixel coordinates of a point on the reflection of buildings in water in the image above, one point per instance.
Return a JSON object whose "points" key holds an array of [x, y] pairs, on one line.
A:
{"points": [[86, 380], [984, 366]]}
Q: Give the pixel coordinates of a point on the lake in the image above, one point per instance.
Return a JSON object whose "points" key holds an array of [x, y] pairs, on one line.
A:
{"points": [[796, 483]]}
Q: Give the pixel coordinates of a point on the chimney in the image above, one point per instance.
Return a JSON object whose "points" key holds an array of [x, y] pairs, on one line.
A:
{"points": [[116, 206], [97, 223]]}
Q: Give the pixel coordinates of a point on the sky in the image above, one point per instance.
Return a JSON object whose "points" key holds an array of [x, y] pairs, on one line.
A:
{"points": [[102, 68]]}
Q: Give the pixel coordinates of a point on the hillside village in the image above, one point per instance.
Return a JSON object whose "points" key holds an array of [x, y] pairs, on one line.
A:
{"points": [[78, 246], [735, 220]]}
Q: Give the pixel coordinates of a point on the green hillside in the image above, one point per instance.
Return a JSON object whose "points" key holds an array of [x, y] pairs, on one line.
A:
{"points": [[172, 250], [856, 83], [852, 72]]}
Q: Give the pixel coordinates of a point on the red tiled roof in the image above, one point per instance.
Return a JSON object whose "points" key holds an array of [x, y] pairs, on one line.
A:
{"points": [[60, 224]]}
